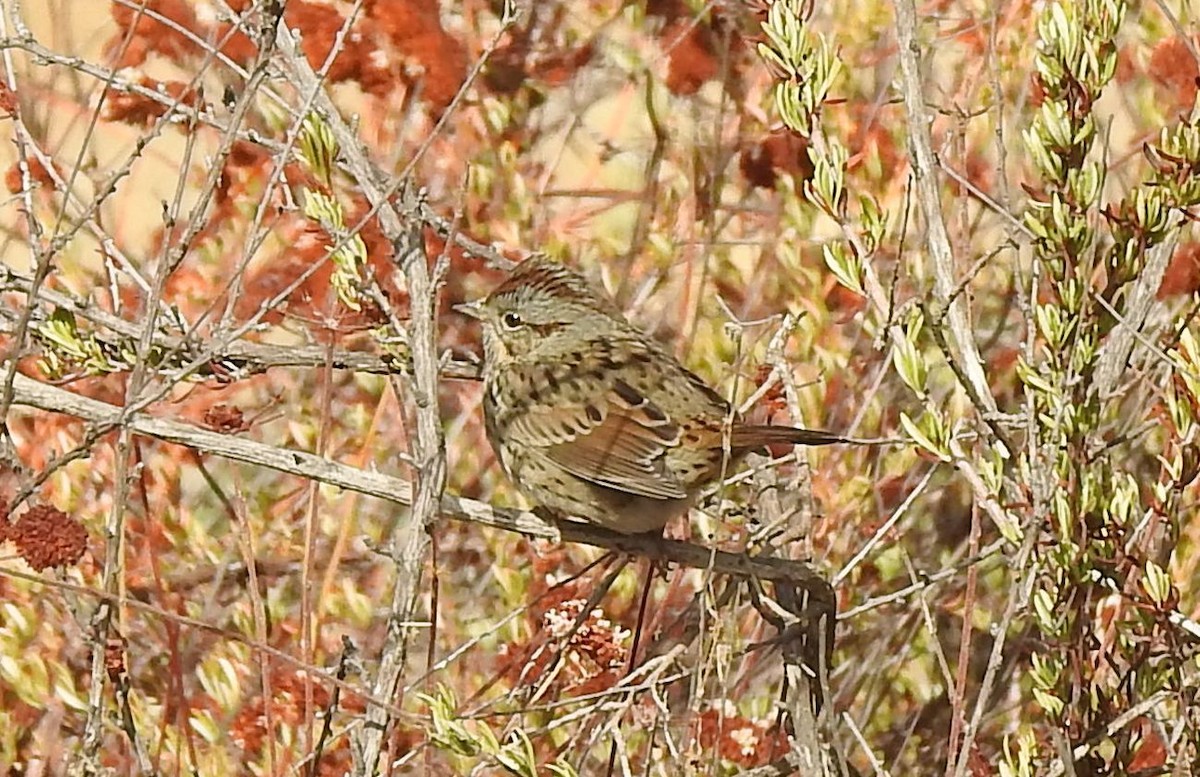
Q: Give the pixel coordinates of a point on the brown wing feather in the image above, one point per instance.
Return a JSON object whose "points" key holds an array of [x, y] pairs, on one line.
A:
{"points": [[620, 454], [753, 436], [612, 442]]}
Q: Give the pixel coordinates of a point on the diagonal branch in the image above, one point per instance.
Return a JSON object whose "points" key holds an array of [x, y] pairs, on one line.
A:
{"points": [[235, 361], [32, 393], [1116, 350], [962, 349]]}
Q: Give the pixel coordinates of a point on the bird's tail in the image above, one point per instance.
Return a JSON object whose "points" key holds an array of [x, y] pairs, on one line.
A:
{"points": [[754, 436]]}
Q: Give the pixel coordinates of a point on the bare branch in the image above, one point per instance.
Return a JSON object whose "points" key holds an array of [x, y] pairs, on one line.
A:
{"points": [[941, 258], [31, 393]]}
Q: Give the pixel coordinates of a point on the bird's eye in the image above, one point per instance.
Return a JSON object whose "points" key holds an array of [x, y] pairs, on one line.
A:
{"points": [[511, 320]]}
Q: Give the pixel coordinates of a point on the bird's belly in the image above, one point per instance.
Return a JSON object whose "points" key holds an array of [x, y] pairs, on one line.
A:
{"points": [[551, 486]]}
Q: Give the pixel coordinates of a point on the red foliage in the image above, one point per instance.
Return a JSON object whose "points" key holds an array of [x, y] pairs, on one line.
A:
{"points": [[691, 60], [38, 175], [745, 742], [47, 537], [226, 419], [1126, 65], [1151, 755], [1037, 91], [1183, 273], [974, 36], [595, 655], [288, 691], [114, 657], [139, 110], [148, 33], [1002, 364], [774, 400], [313, 297], [778, 153], [877, 140], [892, 491], [415, 28], [8, 101], [558, 68], [390, 41], [514, 63], [978, 171], [842, 301], [246, 167], [1173, 66], [307, 246]]}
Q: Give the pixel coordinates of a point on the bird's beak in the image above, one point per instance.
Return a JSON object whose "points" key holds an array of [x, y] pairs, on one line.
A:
{"points": [[472, 309]]}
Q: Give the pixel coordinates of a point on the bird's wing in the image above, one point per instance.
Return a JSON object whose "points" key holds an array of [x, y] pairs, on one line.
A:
{"points": [[617, 439]]}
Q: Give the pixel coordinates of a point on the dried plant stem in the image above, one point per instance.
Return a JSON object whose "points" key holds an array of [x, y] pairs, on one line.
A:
{"points": [[103, 416], [962, 342]]}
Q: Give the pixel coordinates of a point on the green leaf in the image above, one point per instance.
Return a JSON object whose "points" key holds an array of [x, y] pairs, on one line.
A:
{"points": [[1157, 583], [922, 436]]}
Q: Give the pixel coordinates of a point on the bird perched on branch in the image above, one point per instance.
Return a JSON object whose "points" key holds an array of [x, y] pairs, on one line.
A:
{"points": [[591, 417]]}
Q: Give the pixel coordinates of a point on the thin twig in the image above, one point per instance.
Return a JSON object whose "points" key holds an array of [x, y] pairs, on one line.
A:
{"points": [[962, 342], [32, 393]]}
